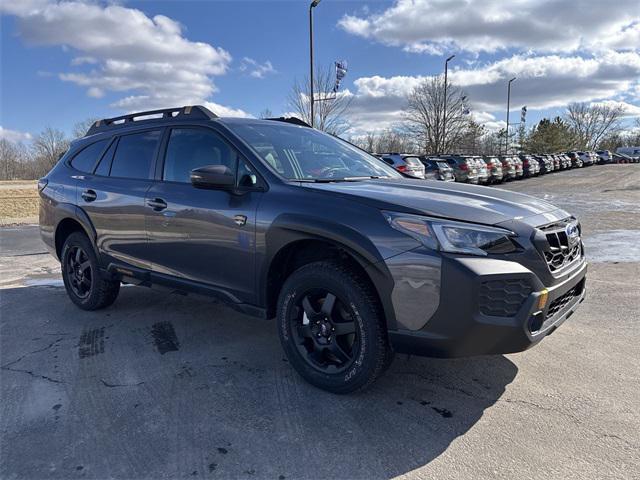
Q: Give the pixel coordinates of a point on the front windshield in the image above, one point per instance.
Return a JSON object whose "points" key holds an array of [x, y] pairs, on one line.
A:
{"points": [[302, 153]]}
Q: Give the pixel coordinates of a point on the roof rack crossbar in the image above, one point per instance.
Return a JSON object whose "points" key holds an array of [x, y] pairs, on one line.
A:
{"points": [[193, 112]]}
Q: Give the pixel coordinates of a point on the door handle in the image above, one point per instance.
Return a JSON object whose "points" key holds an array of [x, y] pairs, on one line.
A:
{"points": [[89, 195], [157, 204]]}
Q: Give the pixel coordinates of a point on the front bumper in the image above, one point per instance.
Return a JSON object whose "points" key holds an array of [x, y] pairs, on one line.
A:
{"points": [[454, 316]]}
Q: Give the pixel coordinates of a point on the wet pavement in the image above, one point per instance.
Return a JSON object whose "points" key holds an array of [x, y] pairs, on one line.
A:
{"points": [[166, 386]]}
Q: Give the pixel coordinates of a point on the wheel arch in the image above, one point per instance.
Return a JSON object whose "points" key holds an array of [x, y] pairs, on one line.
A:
{"points": [[294, 241], [73, 219]]}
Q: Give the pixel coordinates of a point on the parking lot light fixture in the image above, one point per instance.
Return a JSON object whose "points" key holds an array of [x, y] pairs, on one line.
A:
{"points": [[506, 142], [312, 5], [444, 112]]}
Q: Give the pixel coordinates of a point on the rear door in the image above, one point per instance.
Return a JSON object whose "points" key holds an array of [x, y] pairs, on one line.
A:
{"points": [[114, 196], [203, 235]]}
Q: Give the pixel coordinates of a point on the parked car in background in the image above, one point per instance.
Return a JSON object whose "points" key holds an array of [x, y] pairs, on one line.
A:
{"points": [[519, 167], [545, 163], [633, 152], [483, 172], [604, 156], [566, 161], [576, 161], [404, 163], [494, 169], [588, 158], [530, 166], [464, 167], [622, 158], [557, 164], [508, 168], [437, 169]]}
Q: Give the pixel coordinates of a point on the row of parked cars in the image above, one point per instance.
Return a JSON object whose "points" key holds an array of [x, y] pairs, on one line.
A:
{"points": [[490, 169]]}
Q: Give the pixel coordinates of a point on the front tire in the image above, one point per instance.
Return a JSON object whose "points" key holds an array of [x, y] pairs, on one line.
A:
{"points": [[332, 328], [87, 286]]}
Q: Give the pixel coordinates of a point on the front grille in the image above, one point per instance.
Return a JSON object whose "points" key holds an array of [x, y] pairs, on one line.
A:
{"points": [[503, 298], [563, 300], [560, 250]]}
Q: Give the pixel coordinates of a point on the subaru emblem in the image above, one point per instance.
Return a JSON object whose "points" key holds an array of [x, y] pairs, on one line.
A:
{"points": [[572, 232]]}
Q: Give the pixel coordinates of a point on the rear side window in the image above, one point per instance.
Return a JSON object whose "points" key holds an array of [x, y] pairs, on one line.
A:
{"points": [[134, 155], [105, 162], [190, 148], [88, 156]]}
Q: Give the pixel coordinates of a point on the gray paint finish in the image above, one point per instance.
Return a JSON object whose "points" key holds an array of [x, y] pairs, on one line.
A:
{"points": [[416, 290]]}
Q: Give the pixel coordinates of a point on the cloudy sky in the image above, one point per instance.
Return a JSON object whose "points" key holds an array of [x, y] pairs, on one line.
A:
{"points": [[64, 61]]}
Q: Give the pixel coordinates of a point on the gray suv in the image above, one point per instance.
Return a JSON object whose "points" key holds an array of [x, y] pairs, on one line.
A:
{"points": [[279, 220], [408, 164]]}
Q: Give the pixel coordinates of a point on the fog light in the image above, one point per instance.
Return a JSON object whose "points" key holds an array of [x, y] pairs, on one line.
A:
{"points": [[542, 299]]}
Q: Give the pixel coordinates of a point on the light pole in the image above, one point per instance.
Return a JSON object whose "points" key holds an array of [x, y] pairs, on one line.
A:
{"points": [[444, 113], [313, 5], [506, 143]]}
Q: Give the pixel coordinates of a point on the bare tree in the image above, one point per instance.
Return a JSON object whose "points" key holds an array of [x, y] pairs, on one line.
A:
{"points": [[266, 113], [472, 138], [591, 123], [81, 128], [47, 148], [425, 113], [15, 162], [329, 108]]}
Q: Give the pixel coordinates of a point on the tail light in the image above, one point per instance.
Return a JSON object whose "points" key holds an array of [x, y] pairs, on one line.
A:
{"points": [[401, 168], [525, 163], [464, 166]]}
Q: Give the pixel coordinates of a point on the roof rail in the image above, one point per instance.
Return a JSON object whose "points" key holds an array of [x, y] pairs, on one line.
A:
{"points": [[195, 112], [292, 120]]}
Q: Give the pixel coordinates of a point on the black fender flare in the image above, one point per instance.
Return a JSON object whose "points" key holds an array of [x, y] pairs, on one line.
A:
{"points": [[290, 228], [68, 210]]}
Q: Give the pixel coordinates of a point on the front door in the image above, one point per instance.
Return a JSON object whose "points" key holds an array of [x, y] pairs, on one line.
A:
{"points": [[203, 235]]}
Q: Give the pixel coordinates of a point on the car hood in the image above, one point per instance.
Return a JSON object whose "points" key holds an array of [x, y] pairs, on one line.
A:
{"points": [[469, 203]]}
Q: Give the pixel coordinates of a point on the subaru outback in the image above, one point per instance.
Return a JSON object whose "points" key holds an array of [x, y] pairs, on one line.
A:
{"points": [[354, 260]]}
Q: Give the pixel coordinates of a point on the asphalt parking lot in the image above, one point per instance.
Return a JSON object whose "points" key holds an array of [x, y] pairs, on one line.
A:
{"points": [[166, 386]]}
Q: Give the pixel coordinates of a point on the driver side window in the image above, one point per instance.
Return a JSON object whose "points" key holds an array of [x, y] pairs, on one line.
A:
{"points": [[190, 148]]}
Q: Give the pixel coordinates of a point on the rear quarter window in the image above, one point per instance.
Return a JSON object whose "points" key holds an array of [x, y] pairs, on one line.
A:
{"points": [[86, 159]]}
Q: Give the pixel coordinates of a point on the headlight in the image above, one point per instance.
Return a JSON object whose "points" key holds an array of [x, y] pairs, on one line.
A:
{"points": [[453, 237]]}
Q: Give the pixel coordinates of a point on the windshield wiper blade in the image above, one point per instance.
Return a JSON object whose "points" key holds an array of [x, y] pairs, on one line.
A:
{"points": [[374, 177], [317, 180], [333, 180]]}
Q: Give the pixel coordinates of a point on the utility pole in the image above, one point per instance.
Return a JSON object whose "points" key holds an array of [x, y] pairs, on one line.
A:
{"points": [[444, 113], [506, 143], [313, 5]]}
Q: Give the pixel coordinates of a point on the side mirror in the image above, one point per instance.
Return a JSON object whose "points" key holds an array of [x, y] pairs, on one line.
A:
{"points": [[213, 176]]}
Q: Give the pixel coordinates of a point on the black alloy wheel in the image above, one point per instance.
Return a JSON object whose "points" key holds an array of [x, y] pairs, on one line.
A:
{"points": [[324, 331], [79, 272], [87, 286]]}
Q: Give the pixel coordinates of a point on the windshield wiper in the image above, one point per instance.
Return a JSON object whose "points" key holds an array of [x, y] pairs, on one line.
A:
{"points": [[334, 180], [354, 179]]}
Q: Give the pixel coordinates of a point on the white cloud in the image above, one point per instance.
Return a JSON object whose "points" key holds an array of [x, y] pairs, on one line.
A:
{"points": [[255, 69], [434, 26], [14, 136], [543, 82], [121, 49], [224, 111], [629, 109]]}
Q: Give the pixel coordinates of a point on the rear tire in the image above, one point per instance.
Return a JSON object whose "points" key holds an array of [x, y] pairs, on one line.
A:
{"points": [[331, 328], [87, 286]]}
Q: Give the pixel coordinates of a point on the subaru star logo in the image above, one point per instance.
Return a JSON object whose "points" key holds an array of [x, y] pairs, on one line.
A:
{"points": [[572, 232]]}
